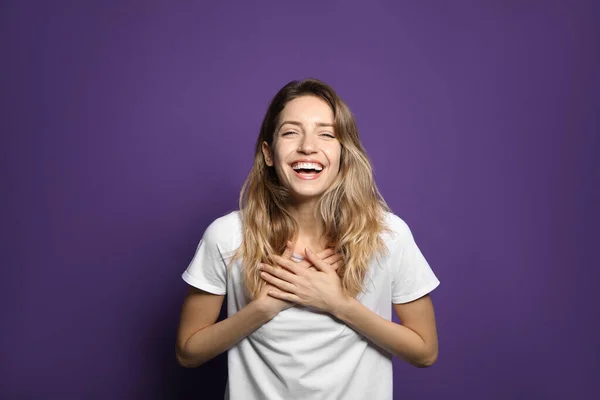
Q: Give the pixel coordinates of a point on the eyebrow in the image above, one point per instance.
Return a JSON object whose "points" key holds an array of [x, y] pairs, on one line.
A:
{"points": [[319, 124]]}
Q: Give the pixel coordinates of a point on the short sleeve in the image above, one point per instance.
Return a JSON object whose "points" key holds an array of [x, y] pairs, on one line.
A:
{"points": [[208, 271], [412, 277]]}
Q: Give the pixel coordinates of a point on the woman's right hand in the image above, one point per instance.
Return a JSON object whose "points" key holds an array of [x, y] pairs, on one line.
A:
{"points": [[269, 304], [274, 306]]}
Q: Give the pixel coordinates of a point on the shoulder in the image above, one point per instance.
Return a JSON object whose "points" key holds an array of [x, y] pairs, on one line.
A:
{"points": [[398, 230], [225, 230]]}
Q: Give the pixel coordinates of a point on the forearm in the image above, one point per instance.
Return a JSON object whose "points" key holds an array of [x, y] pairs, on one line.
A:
{"points": [[215, 339], [390, 336]]}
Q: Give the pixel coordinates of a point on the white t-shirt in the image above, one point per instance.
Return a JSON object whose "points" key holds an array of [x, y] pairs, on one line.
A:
{"points": [[302, 353]]}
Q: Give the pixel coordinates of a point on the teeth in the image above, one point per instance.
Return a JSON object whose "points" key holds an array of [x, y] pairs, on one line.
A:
{"points": [[306, 165]]}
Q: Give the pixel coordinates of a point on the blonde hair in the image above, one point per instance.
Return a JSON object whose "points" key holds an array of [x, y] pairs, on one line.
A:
{"points": [[351, 209]]}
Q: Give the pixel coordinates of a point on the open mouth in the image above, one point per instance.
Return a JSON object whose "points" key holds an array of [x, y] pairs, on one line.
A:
{"points": [[307, 170]]}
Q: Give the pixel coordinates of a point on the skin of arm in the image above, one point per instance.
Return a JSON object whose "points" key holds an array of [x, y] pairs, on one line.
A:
{"points": [[415, 340], [200, 339]]}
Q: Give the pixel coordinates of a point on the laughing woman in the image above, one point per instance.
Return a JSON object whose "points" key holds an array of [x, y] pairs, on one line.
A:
{"points": [[312, 264]]}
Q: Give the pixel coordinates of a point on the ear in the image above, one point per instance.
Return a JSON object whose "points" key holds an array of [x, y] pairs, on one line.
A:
{"points": [[266, 150]]}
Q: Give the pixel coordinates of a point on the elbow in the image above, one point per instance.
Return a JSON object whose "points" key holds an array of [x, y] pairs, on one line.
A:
{"points": [[185, 362], [182, 362], [427, 361]]}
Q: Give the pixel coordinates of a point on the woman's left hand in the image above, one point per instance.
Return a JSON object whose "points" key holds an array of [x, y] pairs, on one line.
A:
{"points": [[320, 288]]}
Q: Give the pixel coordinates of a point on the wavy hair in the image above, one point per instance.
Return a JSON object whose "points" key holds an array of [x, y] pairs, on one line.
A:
{"points": [[351, 210]]}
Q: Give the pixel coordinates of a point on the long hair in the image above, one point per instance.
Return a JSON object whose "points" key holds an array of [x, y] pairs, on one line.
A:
{"points": [[351, 210]]}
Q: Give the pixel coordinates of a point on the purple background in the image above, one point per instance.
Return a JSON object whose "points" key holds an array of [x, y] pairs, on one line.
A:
{"points": [[128, 127]]}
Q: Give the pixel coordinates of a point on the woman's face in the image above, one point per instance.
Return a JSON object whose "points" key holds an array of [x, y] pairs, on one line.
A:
{"points": [[306, 152]]}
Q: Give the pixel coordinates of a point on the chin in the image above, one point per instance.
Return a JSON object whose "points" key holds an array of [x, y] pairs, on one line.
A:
{"points": [[307, 194], [307, 190]]}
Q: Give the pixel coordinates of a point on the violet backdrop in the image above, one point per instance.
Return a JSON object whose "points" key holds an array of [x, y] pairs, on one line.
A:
{"points": [[128, 126]]}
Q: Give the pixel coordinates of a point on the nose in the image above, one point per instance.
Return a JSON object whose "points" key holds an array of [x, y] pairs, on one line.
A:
{"points": [[307, 145]]}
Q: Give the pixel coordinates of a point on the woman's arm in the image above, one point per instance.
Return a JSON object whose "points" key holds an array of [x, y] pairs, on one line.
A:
{"points": [[199, 339], [415, 341]]}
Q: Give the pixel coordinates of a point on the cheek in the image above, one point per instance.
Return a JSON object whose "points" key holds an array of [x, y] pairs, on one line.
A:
{"points": [[334, 155], [280, 155]]}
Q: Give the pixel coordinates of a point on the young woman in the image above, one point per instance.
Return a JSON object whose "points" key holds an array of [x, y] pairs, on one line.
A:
{"points": [[311, 264]]}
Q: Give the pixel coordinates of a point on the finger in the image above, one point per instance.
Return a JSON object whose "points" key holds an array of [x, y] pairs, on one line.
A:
{"points": [[317, 262], [286, 263], [333, 259], [326, 253], [278, 283], [280, 273], [303, 264], [337, 262], [337, 265], [284, 296], [289, 249], [322, 254]]}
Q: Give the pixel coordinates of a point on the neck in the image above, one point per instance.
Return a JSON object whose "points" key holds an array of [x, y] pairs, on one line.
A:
{"points": [[310, 229]]}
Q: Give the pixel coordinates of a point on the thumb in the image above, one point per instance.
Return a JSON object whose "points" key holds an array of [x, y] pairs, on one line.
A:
{"points": [[317, 262], [289, 249]]}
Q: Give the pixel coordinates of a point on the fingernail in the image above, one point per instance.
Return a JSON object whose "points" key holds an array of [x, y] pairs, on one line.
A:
{"points": [[308, 251]]}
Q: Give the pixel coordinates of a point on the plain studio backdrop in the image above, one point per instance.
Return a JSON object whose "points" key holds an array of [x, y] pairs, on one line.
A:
{"points": [[128, 126]]}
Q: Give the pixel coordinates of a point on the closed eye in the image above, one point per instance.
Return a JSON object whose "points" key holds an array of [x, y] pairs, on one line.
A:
{"points": [[288, 133], [328, 135]]}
